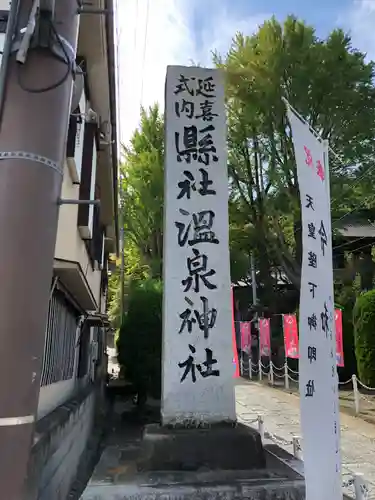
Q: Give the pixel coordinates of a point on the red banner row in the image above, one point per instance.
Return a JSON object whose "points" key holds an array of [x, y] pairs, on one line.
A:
{"points": [[290, 329]]}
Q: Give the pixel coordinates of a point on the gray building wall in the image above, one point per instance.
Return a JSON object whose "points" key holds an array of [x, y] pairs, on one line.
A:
{"points": [[60, 440]]}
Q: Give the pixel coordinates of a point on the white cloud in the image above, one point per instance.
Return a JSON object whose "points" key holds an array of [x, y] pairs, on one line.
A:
{"points": [[223, 27], [143, 67], [359, 20], [169, 41]]}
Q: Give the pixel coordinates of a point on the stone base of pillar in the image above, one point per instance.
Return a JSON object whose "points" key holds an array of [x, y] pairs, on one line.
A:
{"points": [[190, 449]]}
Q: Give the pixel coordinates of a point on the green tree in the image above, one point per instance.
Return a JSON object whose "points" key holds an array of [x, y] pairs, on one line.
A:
{"points": [[142, 173], [139, 342], [288, 61], [134, 271], [364, 322], [142, 193], [345, 297]]}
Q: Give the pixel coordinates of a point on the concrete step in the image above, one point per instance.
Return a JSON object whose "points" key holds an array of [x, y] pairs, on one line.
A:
{"points": [[209, 485]]}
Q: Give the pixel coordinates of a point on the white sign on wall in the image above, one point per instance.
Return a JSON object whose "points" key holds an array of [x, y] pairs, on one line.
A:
{"points": [[197, 361], [317, 366]]}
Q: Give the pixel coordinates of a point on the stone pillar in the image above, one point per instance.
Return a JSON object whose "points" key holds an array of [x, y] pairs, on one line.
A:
{"points": [[198, 368]]}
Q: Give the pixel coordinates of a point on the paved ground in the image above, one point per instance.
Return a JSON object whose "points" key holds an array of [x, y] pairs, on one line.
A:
{"points": [[280, 411]]}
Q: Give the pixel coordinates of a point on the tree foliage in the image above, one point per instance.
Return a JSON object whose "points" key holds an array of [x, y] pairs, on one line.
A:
{"points": [[143, 193], [288, 61], [331, 85], [139, 342], [364, 320]]}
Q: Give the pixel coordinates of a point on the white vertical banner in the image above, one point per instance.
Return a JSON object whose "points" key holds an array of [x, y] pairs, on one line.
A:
{"points": [[197, 379], [318, 379]]}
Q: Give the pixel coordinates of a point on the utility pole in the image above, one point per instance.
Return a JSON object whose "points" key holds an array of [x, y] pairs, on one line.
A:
{"points": [[35, 89]]}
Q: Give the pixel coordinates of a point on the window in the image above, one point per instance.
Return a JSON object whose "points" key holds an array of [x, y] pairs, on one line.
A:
{"points": [[60, 341]]}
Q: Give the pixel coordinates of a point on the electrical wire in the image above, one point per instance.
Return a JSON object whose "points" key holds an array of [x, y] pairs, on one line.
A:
{"points": [[62, 80], [350, 242], [9, 35], [144, 49], [371, 244], [135, 27], [355, 182]]}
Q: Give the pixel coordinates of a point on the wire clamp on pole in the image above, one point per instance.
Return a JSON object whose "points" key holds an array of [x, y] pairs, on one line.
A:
{"points": [[25, 155], [11, 421]]}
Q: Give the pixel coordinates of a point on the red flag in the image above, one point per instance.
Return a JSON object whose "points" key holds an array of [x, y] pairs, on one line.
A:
{"points": [[339, 341], [234, 344], [245, 328], [290, 336], [264, 337]]}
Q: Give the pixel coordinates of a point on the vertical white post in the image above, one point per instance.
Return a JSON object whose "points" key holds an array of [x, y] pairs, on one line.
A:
{"points": [[271, 373], [286, 375], [260, 368], [250, 368], [261, 427], [241, 363], [360, 487], [297, 451], [356, 394]]}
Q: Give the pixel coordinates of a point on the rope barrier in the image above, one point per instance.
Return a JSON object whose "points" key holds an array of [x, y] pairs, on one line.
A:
{"points": [[277, 439], [272, 372], [365, 386], [292, 371], [367, 400], [361, 488], [278, 367], [346, 382], [255, 366], [357, 481]]}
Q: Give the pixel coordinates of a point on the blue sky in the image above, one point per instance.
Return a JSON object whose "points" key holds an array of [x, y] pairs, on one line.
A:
{"points": [[155, 33]]}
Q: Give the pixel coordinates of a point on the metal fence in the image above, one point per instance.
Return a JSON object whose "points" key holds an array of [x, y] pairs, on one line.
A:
{"points": [[60, 340]]}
